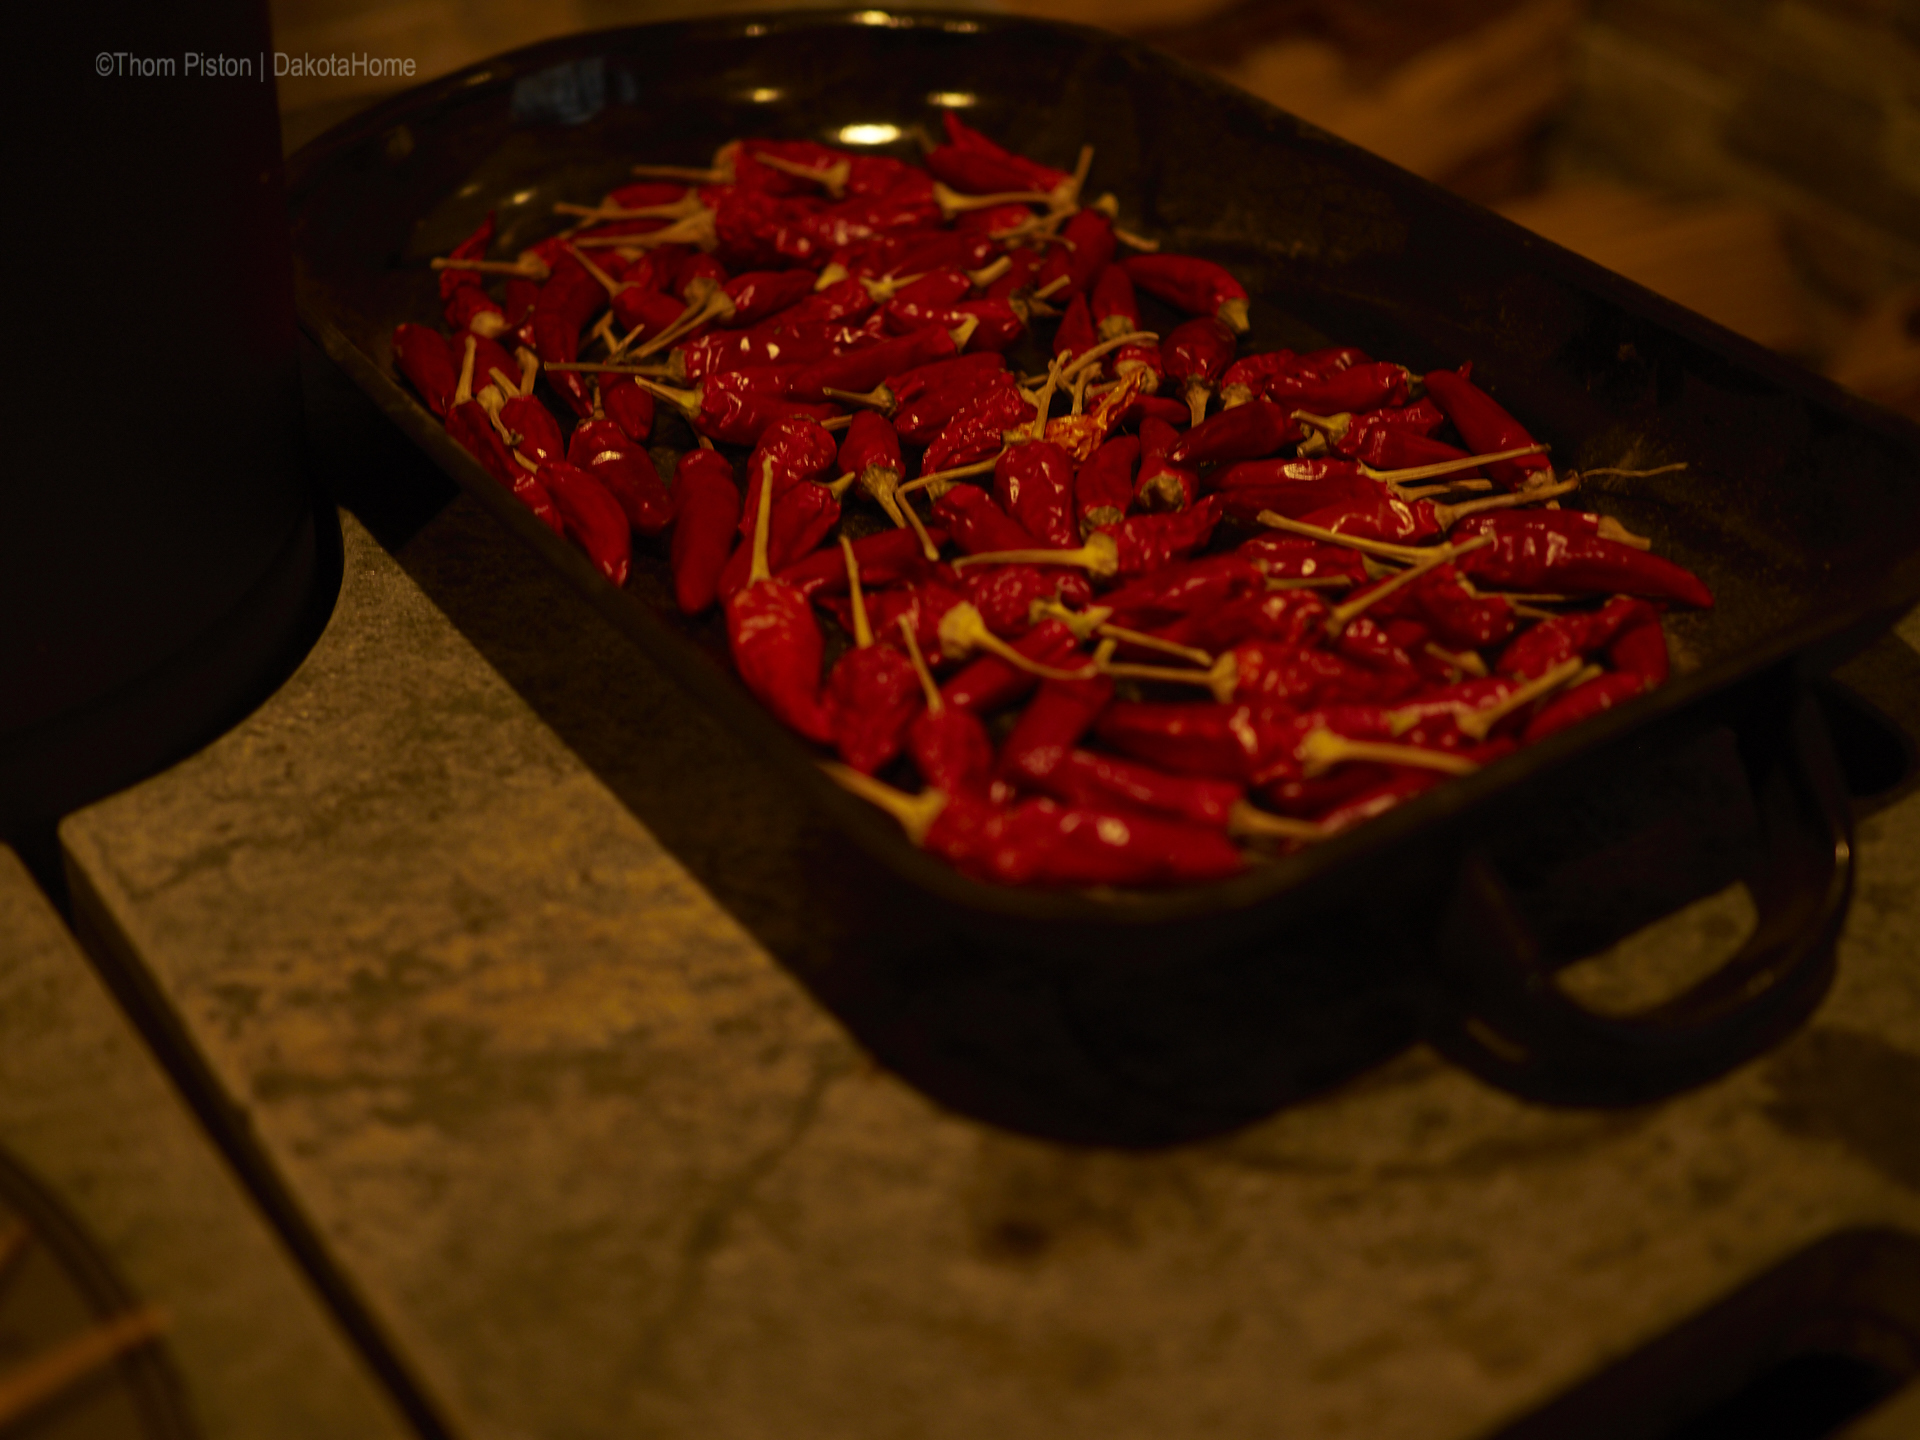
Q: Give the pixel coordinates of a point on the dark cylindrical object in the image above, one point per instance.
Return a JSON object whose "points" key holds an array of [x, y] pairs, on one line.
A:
{"points": [[163, 561]]}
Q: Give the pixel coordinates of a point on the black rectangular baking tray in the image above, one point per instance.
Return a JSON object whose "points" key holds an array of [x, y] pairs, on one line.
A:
{"points": [[1799, 507]]}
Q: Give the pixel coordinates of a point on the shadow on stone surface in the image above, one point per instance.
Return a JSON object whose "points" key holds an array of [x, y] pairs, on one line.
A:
{"points": [[987, 1034]]}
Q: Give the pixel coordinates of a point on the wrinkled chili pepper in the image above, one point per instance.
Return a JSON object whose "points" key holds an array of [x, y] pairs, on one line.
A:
{"points": [[1198, 287], [1075, 334], [1359, 387], [602, 449], [706, 506], [1601, 693], [629, 407], [1088, 248], [1485, 427], [873, 691], [1051, 725], [1193, 354], [1247, 432], [1033, 483], [594, 519], [1005, 594], [1544, 645], [979, 526], [990, 683], [775, 643], [1103, 486], [425, 358], [864, 368], [978, 428], [1582, 564]]}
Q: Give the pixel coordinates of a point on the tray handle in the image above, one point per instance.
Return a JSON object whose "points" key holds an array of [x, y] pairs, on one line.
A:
{"points": [[1503, 1017]]}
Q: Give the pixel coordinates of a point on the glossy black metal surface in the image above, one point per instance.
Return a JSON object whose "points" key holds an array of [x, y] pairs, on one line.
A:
{"points": [[1800, 507]]}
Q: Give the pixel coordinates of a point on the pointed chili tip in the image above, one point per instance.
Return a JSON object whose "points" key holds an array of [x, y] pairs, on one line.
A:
{"points": [[1233, 314]]}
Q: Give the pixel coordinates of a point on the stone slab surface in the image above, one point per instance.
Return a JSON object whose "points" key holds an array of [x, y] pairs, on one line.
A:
{"points": [[85, 1111], [601, 1163]]}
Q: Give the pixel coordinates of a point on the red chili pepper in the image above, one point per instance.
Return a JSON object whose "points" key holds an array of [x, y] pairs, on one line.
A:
{"points": [[1247, 432], [1194, 354], [425, 358], [1641, 650], [706, 506], [532, 427], [731, 408], [977, 525], [1114, 309], [1385, 447], [1359, 387], [474, 247], [1199, 287], [1376, 800], [1033, 483], [1601, 693], [871, 450], [963, 137], [1163, 485], [593, 517], [1088, 250], [629, 407], [1298, 489], [835, 304], [1460, 619], [873, 694], [1283, 617], [1582, 565], [798, 451], [865, 368], [923, 605], [988, 683], [1103, 487], [950, 749], [1372, 646], [1101, 781], [1222, 742], [1075, 334], [602, 449], [1005, 594], [1347, 433], [468, 424], [1154, 407], [471, 308], [557, 342], [801, 519], [937, 375], [885, 557], [1039, 842], [1397, 522], [972, 173], [697, 268], [1060, 713], [1144, 543], [978, 428], [775, 643], [1246, 377], [1296, 557], [1274, 673], [1485, 427], [646, 313], [1546, 644], [1179, 590], [922, 417]]}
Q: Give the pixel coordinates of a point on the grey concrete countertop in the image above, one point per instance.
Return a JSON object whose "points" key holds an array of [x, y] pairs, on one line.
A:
{"points": [[87, 1115], [598, 1161]]}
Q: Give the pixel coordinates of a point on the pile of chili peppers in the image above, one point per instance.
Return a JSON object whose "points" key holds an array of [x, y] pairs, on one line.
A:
{"points": [[1133, 620]]}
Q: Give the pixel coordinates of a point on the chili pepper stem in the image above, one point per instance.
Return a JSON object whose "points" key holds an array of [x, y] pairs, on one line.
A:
{"points": [[936, 702], [762, 518], [1383, 548], [1253, 822], [463, 388], [963, 631], [507, 387], [1099, 557], [641, 373], [927, 548], [693, 175], [1638, 474], [1082, 623], [916, 813], [1477, 724], [1346, 614], [862, 629], [607, 282], [1313, 582], [1154, 642], [879, 398], [1465, 661], [1612, 529], [943, 478], [694, 229], [716, 303], [1450, 515], [987, 274], [1450, 467], [833, 179], [1095, 352], [1322, 749], [596, 214], [1221, 677], [952, 202], [1135, 242], [529, 267]]}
